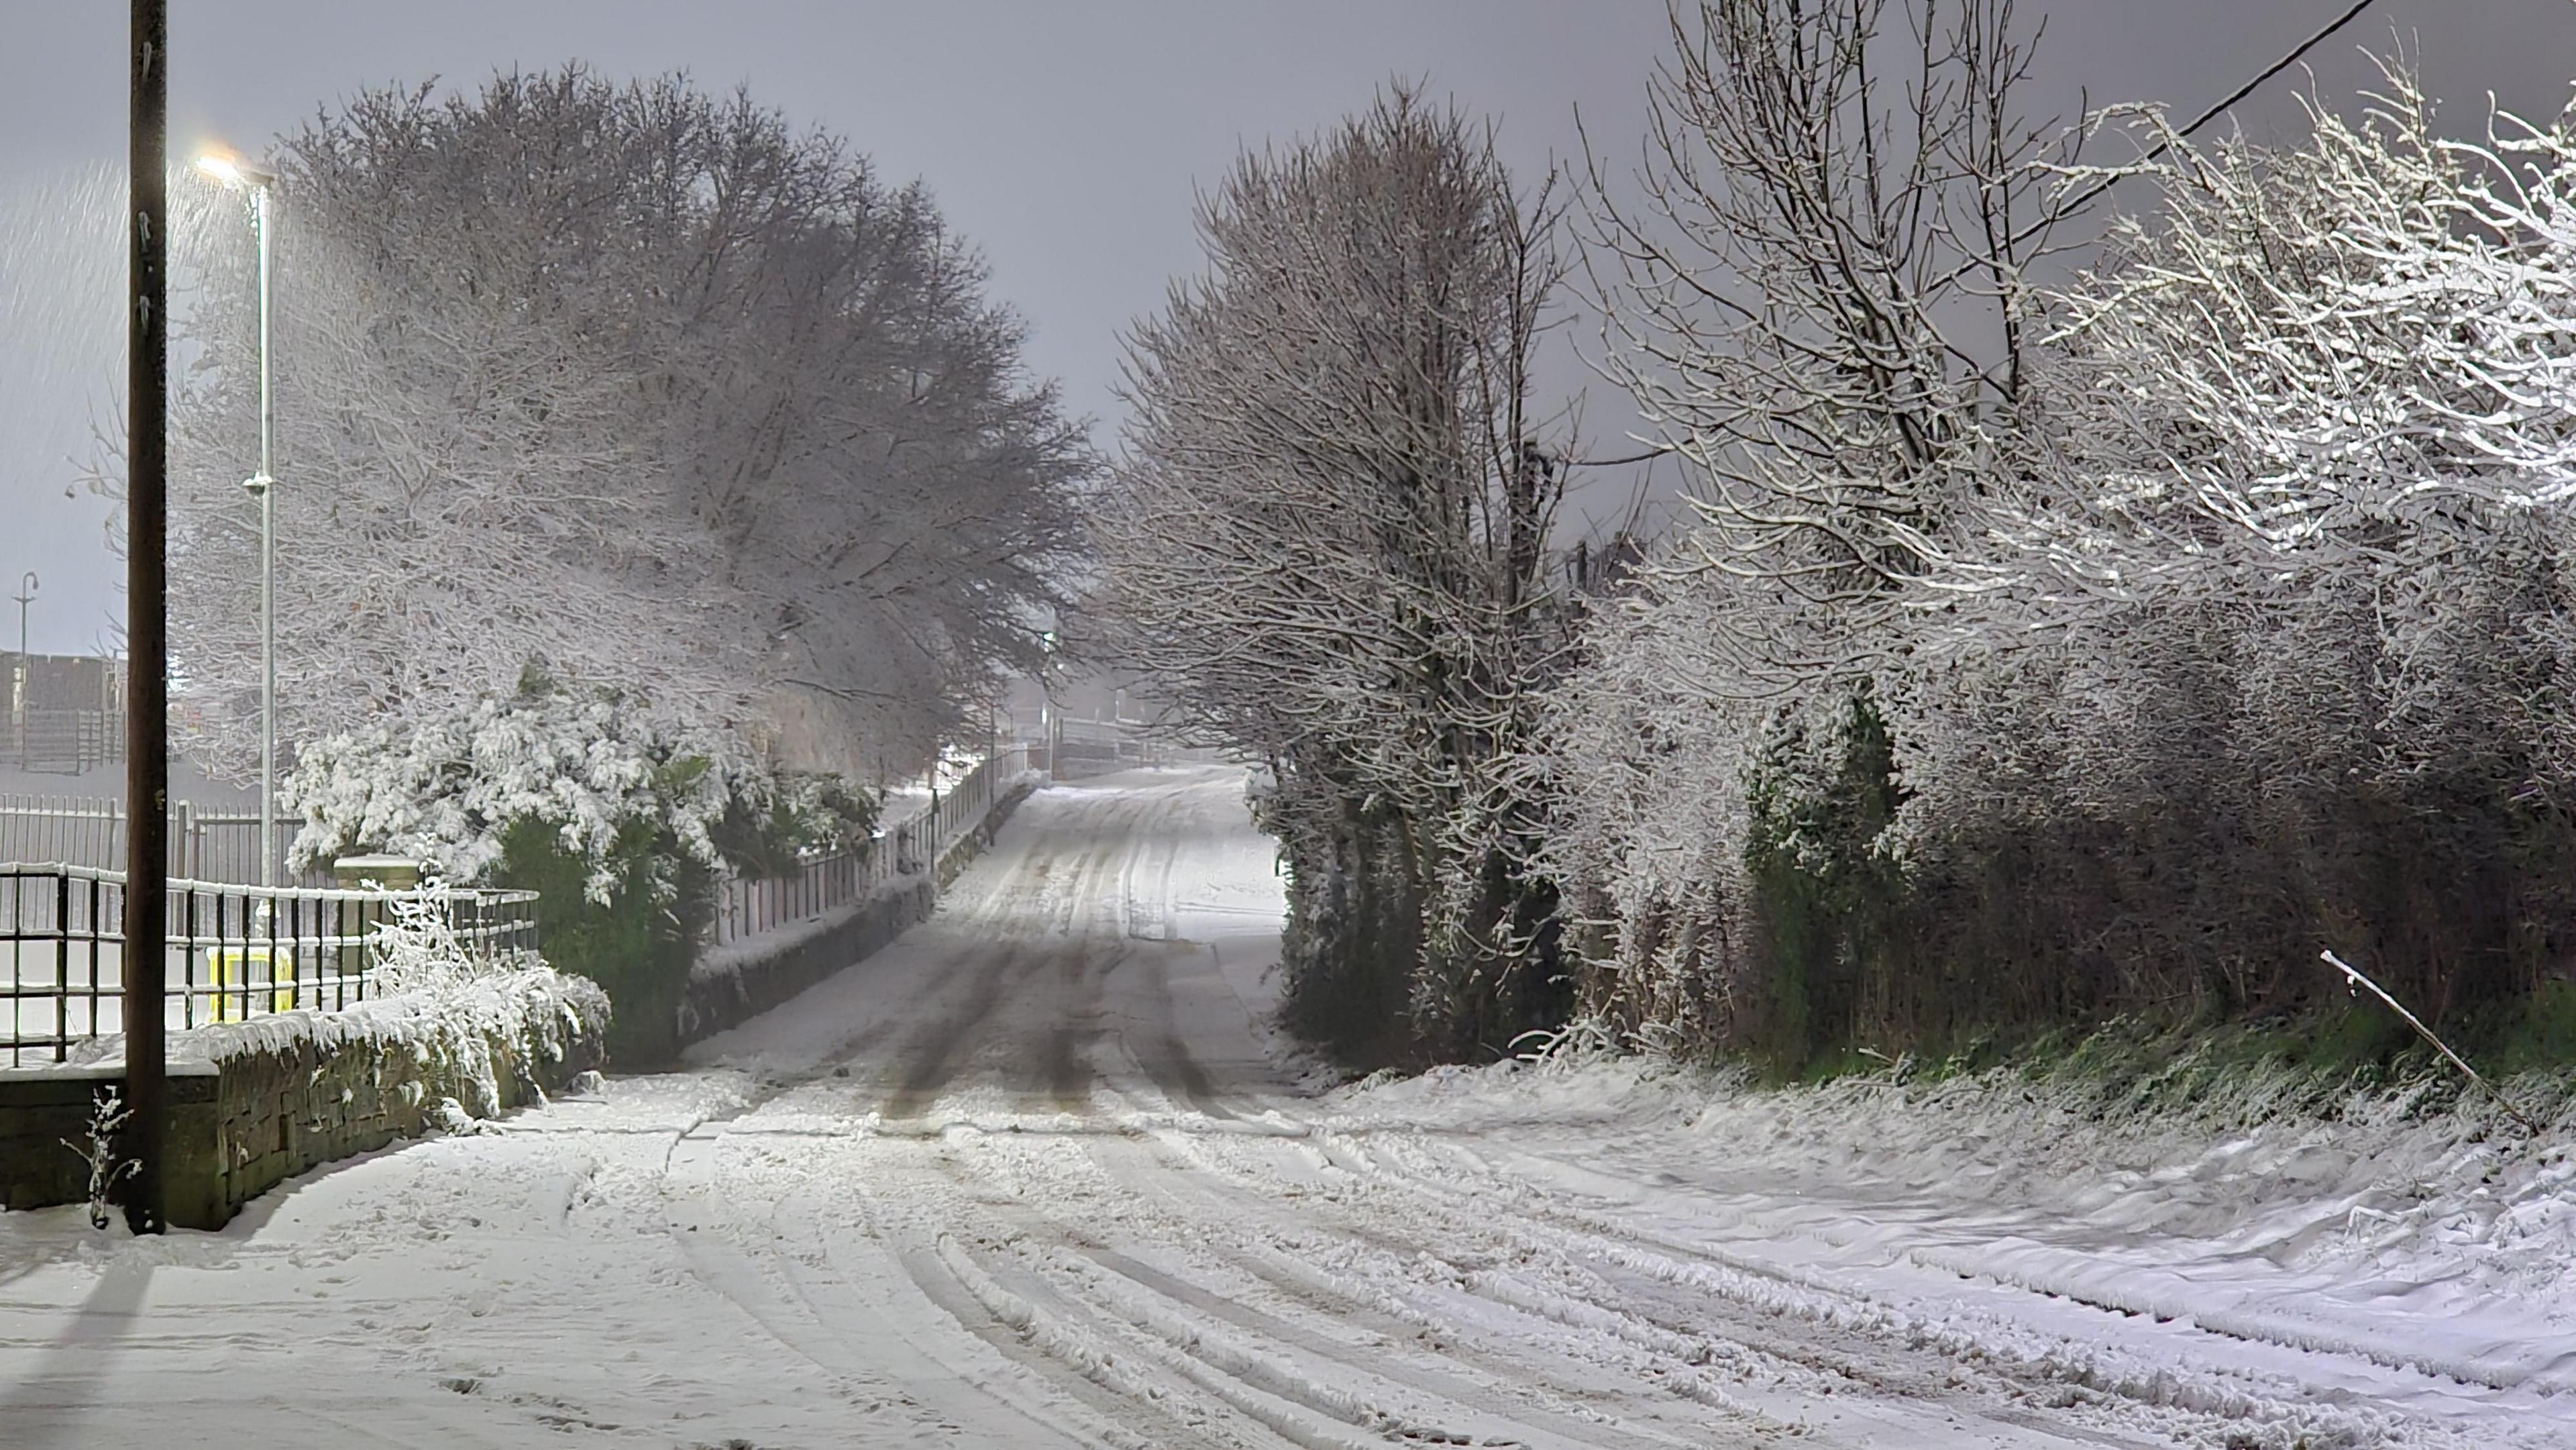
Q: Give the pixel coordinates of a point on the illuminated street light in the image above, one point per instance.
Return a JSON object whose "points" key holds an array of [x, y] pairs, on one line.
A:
{"points": [[232, 171]]}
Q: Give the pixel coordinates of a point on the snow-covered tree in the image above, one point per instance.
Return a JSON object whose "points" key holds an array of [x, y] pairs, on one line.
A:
{"points": [[632, 382], [1822, 304], [2311, 357], [1327, 543], [2247, 628], [2342, 366]]}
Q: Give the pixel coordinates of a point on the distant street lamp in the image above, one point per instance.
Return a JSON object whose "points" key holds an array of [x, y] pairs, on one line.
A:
{"points": [[25, 596], [232, 172]]}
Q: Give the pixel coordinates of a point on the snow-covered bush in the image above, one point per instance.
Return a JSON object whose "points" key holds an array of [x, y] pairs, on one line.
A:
{"points": [[791, 814], [2254, 633], [417, 950], [1645, 767], [600, 774], [619, 822]]}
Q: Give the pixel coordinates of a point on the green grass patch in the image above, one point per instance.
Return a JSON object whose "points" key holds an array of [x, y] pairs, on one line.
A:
{"points": [[2536, 1034], [2355, 1043]]}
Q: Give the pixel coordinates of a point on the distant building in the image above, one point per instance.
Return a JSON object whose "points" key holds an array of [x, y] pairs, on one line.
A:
{"points": [[66, 712]]}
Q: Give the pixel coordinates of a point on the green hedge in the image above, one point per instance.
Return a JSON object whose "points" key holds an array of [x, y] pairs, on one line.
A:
{"points": [[638, 945], [2207, 907]]}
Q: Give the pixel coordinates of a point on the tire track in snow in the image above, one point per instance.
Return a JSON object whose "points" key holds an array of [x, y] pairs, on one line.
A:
{"points": [[1166, 1058], [916, 1214], [1159, 1054], [861, 1352], [1411, 1247], [1062, 963], [929, 1059], [1522, 1339], [1435, 1369], [1166, 1251], [1454, 1388], [1251, 1384], [1064, 1339], [1641, 1266]]}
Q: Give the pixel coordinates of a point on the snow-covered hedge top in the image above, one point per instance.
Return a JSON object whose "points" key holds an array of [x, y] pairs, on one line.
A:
{"points": [[536, 1004]]}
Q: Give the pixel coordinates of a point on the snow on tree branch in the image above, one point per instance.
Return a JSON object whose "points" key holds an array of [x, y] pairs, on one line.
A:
{"points": [[633, 383]]}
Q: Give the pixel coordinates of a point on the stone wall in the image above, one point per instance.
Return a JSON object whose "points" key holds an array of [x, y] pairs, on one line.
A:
{"points": [[253, 1104], [44, 1126], [256, 1103]]}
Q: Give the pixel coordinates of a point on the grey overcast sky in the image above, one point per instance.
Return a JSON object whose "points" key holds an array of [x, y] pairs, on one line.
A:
{"points": [[1064, 139]]}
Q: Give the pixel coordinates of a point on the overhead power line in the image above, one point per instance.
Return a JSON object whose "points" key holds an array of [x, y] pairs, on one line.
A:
{"points": [[2350, 13]]}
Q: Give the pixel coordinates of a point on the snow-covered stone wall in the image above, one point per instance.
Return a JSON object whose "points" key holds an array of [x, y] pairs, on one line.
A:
{"points": [[257, 1102]]}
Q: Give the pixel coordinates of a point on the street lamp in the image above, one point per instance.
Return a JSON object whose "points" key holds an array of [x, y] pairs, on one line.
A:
{"points": [[233, 172], [25, 596]]}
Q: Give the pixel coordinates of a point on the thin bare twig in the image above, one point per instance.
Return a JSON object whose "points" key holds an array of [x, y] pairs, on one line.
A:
{"points": [[2353, 975]]}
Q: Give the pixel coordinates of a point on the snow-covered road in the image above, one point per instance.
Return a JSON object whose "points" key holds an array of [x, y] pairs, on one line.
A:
{"points": [[1035, 1176]]}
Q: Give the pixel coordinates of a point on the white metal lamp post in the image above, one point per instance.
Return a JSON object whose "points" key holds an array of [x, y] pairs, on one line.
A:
{"points": [[233, 172], [26, 693]]}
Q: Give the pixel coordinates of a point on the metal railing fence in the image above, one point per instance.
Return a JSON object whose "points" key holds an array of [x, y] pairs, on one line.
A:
{"points": [[748, 906], [822, 884], [963, 807], [205, 845], [234, 952]]}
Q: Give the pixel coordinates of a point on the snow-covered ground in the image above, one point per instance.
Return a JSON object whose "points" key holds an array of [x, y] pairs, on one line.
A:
{"points": [[1035, 1176]]}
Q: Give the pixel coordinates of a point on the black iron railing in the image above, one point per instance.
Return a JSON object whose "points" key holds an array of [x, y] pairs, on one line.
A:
{"points": [[235, 952]]}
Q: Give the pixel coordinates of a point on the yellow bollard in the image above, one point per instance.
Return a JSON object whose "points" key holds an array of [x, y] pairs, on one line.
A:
{"points": [[234, 970]]}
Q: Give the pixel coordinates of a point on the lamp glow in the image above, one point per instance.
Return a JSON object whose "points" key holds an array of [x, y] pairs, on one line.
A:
{"points": [[229, 170]]}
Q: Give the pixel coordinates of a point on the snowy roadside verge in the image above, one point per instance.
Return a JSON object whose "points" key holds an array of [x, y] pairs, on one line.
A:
{"points": [[2399, 1226], [254, 1103]]}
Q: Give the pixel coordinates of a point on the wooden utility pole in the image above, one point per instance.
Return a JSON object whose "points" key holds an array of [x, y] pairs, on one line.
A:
{"points": [[147, 702]]}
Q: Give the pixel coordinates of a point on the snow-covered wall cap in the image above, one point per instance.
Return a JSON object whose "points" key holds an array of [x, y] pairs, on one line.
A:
{"points": [[377, 863]]}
